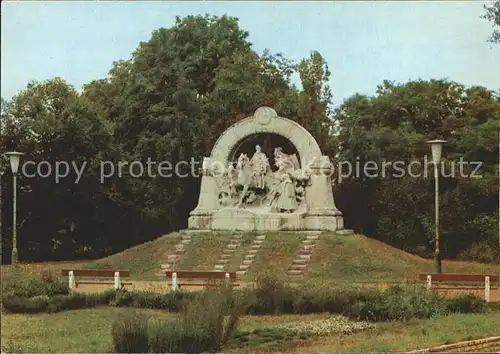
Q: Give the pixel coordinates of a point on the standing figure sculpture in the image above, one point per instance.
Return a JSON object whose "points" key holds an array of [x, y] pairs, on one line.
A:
{"points": [[287, 199], [285, 163], [260, 165]]}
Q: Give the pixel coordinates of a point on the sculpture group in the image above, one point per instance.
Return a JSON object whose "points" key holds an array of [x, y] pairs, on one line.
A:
{"points": [[279, 191], [252, 183]]}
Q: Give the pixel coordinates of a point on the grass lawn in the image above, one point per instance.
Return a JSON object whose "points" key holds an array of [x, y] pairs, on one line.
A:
{"points": [[392, 336], [356, 258], [78, 331], [89, 331]]}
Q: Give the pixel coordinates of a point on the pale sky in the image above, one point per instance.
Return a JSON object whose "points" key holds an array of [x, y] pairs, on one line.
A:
{"points": [[364, 43]]}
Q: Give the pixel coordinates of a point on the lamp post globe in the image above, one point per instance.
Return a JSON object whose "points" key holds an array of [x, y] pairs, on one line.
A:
{"points": [[14, 158], [436, 149]]}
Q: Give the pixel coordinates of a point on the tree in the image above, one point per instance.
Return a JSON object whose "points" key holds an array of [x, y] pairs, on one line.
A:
{"points": [[493, 14], [393, 126], [171, 101], [50, 123], [315, 101]]}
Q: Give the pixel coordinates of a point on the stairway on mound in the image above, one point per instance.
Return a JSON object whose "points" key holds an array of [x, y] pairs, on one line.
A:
{"points": [[250, 255], [303, 256], [179, 250], [228, 253]]}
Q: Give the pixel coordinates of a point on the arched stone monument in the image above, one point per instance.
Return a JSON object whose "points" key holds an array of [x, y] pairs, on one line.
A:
{"points": [[289, 188]]}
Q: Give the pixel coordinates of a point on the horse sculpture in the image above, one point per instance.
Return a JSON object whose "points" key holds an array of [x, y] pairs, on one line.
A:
{"points": [[243, 175]]}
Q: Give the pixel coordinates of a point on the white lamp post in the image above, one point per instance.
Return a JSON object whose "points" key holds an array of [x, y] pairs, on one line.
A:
{"points": [[14, 158], [437, 148]]}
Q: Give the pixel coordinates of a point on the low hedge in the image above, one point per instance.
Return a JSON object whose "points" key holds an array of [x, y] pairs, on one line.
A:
{"points": [[117, 298], [269, 297], [46, 285]]}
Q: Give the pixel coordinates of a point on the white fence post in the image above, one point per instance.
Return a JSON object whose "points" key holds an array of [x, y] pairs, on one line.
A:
{"points": [[71, 280], [174, 281], [429, 282], [228, 279], [487, 289], [117, 280]]}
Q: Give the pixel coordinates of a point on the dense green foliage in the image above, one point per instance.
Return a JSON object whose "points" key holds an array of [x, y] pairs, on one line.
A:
{"points": [[187, 84], [180, 90], [399, 208]]}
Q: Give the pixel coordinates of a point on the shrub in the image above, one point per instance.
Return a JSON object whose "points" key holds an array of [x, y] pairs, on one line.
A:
{"points": [[46, 285], [14, 304], [130, 334], [172, 301], [467, 303], [271, 296], [203, 325], [312, 298], [397, 303], [56, 303], [482, 251], [175, 337]]}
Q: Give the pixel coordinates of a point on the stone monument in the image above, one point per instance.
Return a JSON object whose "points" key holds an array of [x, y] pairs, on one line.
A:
{"points": [[280, 190]]}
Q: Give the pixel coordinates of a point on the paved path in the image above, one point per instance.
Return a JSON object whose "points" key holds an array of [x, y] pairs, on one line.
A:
{"points": [[485, 345]]}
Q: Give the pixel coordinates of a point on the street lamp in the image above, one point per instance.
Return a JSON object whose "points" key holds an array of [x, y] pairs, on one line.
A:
{"points": [[437, 147], [14, 165]]}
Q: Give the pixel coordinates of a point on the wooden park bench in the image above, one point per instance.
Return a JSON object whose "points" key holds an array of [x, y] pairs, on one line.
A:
{"points": [[99, 273], [199, 275], [485, 279]]}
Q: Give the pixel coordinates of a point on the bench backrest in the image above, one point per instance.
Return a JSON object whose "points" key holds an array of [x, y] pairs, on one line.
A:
{"points": [[96, 272], [201, 275], [460, 277]]}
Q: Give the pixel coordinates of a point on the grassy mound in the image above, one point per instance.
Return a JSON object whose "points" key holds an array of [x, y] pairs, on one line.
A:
{"points": [[338, 258]]}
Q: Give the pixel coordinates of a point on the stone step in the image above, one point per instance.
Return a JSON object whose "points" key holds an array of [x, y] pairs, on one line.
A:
{"points": [[226, 256], [186, 242], [253, 251], [308, 242], [249, 256], [240, 273], [247, 261], [261, 237], [244, 267], [255, 247], [223, 261], [231, 246], [219, 267], [258, 242], [304, 256], [172, 257], [307, 247], [186, 237], [235, 242], [302, 251], [294, 272], [298, 266], [229, 250], [299, 261], [179, 247], [166, 266], [312, 237], [237, 236]]}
